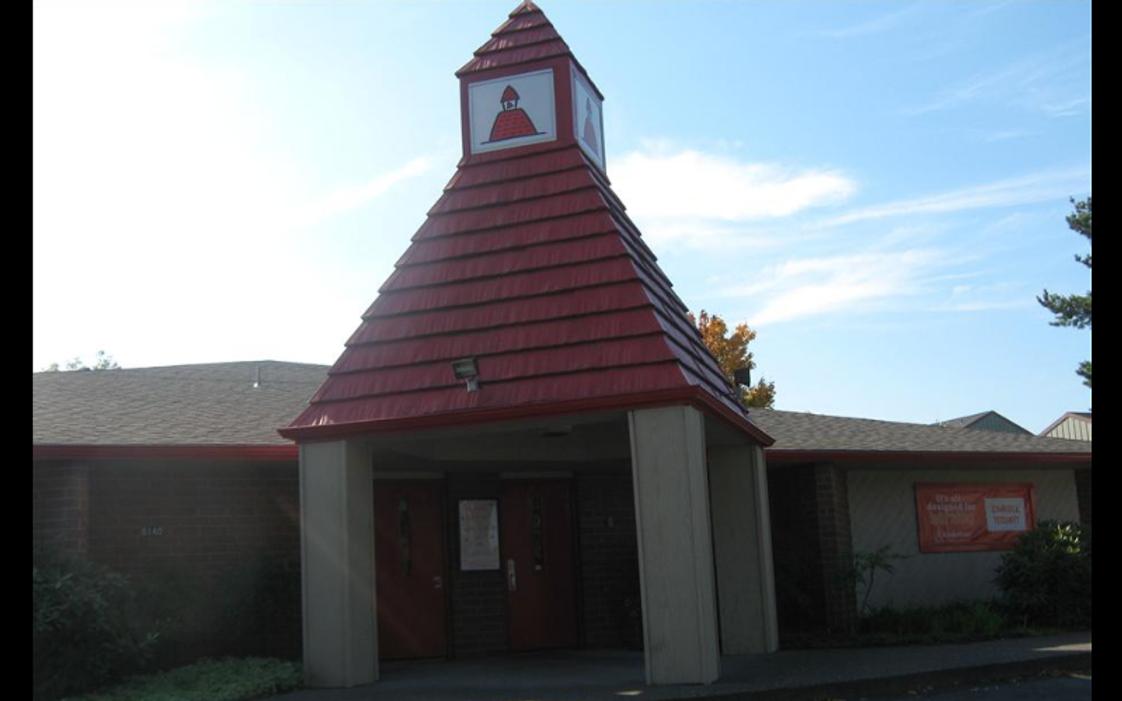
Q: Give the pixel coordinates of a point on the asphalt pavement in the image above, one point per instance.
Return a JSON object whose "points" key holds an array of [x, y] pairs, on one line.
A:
{"points": [[1067, 687], [787, 675]]}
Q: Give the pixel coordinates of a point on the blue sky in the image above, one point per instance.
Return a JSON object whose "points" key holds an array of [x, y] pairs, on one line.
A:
{"points": [[877, 188]]}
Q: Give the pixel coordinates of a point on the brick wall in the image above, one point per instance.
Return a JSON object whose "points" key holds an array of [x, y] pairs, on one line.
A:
{"points": [[796, 553], [147, 517], [200, 539], [812, 548], [478, 599], [1083, 494], [609, 561], [60, 506], [836, 547]]}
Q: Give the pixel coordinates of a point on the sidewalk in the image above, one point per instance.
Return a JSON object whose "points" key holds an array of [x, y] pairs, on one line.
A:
{"points": [[792, 674]]}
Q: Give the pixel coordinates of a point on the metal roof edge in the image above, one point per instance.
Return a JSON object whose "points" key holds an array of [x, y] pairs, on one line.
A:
{"points": [[644, 400]]}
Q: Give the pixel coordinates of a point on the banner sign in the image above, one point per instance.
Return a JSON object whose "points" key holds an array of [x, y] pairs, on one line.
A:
{"points": [[972, 517]]}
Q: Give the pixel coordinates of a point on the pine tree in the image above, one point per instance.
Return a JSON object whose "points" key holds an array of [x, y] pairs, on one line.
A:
{"points": [[1074, 310]]}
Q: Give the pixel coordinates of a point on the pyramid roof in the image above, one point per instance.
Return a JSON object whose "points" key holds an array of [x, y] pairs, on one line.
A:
{"points": [[529, 264]]}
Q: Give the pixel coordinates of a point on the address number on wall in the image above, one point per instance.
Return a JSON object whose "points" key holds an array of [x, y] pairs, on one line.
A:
{"points": [[152, 531]]}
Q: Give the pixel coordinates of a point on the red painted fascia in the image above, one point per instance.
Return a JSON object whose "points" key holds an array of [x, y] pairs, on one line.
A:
{"points": [[685, 395], [278, 453], [781, 455]]}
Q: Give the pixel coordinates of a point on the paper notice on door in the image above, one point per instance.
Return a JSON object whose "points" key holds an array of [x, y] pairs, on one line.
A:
{"points": [[479, 534]]}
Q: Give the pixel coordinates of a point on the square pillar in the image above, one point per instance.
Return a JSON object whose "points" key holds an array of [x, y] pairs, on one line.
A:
{"points": [[337, 564], [742, 550], [675, 550]]}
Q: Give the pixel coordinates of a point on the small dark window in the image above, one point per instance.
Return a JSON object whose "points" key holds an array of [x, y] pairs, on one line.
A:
{"points": [[537, 528], [404, 536]]}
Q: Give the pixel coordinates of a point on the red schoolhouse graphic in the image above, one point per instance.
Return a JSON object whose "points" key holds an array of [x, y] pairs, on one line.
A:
{"points": [[589, 135], [512, 122]]}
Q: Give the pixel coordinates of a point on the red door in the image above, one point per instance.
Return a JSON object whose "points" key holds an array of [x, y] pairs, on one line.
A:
{"points": [[537, 537], [409, 569]]}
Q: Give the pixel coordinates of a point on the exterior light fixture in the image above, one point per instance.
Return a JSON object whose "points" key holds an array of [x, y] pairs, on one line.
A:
{"points": [[465, 369], [743, 376]]}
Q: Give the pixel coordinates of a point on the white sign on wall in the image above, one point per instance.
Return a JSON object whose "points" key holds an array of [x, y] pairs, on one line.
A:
{"points": [[588, 118], [512, 111], [1005, 514]]}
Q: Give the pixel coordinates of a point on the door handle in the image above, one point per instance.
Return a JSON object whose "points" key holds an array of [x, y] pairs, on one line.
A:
{"points": [[511, 578], [438, 582]]}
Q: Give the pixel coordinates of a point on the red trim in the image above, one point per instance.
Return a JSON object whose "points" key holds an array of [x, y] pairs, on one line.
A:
{"points": [[685, 395], [782, 455], [279, 453]]}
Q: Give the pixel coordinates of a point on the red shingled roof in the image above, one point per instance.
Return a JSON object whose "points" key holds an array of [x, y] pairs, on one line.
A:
{"points": [[526, 37], [528, 263]]}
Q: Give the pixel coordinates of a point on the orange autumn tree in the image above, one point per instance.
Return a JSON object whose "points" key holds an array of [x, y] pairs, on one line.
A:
{"points": [[731, 352]]}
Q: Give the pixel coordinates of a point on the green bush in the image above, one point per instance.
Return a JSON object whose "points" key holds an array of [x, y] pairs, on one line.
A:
{"points": [[1046, 578], [956, 621], [251, 609], [84, 631], [209, 680]]}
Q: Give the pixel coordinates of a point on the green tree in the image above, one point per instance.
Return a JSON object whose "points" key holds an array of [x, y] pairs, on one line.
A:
{"points": [[104, 362], [731, 352], [1074, 310]]}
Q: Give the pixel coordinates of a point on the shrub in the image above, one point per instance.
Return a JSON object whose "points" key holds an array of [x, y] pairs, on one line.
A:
{"points": [[260, 601], [865, 568], [84, 634], [955, 621], [248, 609], [1046, 578], [209, 680]]}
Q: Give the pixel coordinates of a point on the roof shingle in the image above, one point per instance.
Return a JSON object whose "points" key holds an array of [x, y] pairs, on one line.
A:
{"points": [[210, 404], [798, 431]]}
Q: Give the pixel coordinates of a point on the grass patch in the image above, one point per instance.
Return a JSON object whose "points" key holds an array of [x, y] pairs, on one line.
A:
{"points": [[208, 680]]}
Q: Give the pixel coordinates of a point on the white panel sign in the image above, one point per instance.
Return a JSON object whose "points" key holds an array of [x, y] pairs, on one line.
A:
{"points": [[512, 111], [588, 119], [1005, 514], [479, 534]]}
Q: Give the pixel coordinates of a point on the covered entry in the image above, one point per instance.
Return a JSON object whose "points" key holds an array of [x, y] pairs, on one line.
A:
{"points": [[524, 413]]}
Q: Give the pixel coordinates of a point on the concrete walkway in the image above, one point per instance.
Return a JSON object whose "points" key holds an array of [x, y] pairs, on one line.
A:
{"points": [[793, 674]]}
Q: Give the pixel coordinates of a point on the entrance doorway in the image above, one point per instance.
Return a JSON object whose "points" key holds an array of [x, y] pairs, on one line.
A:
{"points": [[409, 569], [537, 537]]}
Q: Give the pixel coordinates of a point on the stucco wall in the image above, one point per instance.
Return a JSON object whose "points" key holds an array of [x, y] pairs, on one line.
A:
{"points": [[883, 512]]}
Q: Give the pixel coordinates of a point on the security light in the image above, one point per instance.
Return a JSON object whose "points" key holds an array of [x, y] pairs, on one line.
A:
{"points": [[743, 376], [465, 369]]}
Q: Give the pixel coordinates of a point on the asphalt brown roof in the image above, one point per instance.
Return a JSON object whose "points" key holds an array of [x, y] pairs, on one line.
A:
{"points": [[808, 433], [210, 404], [217, 404]]}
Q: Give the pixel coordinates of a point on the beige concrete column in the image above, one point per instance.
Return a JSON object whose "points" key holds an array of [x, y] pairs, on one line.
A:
{"points": [[675, 549], [742, 550], [767, 563], [337, 564]]}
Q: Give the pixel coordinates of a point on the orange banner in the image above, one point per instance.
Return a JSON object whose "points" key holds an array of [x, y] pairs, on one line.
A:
{"points": [[972, 517]]}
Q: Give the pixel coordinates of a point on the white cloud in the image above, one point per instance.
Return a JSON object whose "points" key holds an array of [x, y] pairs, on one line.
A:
{"points": [[1036, 187], [168, 222], [705, 199], [1055, 82], [806, 287], [875, 25], [350, 198]]}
